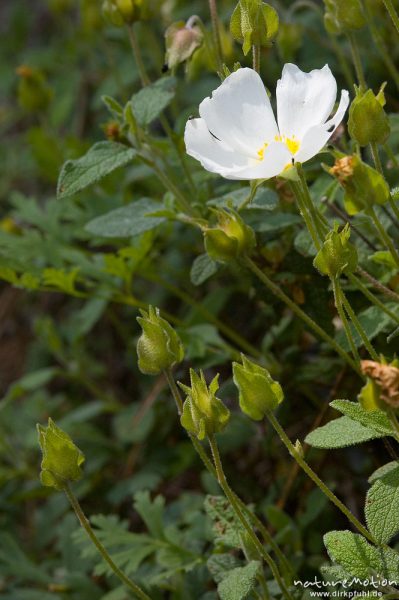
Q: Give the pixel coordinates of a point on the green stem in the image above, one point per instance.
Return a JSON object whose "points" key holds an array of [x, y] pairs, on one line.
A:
{"points": [[216, 34], [320, 222], [303, 209], [315, 478], [87, 527], [370, 296], [357, 62], [300, 313], [392, 13], [138, 56], [256, 58], [386, 240], [378, 285], [286, 567], [357, 325], [231, 497], [253, 189], [345, 323], [378, 166]]}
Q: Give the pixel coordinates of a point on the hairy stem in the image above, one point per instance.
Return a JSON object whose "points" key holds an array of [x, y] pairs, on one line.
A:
{"points": [[344, 320], [216, 34], [316, 479], [392, 13], [87, 527]]}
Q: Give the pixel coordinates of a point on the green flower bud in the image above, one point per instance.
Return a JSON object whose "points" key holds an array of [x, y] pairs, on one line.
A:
{"points": [[230, 239], [111, 13], [203, 413], [182, 39], [342, 16], [368, 121], [364, 186], [34, 94], [258, 392], [254, 23], [370, 396], [120, 12], [62, 460], [337, 255], [159, 347]]}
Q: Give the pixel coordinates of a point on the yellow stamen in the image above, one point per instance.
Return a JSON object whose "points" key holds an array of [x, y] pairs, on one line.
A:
{"points": [[292, 144], [261, 152]]}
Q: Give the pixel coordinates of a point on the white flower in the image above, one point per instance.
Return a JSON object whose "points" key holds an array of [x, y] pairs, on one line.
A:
{"points": [[237, 135]]}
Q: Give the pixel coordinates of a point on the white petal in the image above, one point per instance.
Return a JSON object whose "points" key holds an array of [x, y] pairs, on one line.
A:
{"points": [[304, 99], [318, 136], [239, 112], [275, 158], [213, 155]]}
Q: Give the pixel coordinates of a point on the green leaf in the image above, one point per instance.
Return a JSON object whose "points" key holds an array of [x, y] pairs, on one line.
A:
{"points": [[126, 221], [150, 101], [99, 161], [228, 530], [202, 268], [383, 471], [340, 433], [239, 582], [376, 419], [220, 565], [151, 512], [113, 106], [359, 558], [373, 322], [382, 506]]}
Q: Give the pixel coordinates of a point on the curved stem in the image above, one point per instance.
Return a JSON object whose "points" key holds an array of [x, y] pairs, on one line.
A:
{"points": [[392, 13], [378, 285], [344, 320], [297, 190], [357, 325], [145, 80], [370, 296], [357, 62], [300, 313], [87, 527], [216, 34], [316, 479], [285, 565], [231, 497], [386, 240]]}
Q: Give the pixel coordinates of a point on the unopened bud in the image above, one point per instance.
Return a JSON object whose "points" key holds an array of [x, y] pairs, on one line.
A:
{"points": [[337, 255], [254, 23], [368, 122], [342, 16], [364, 187], [203, 413], [34, 94], [258, 392], [62, 460], [182, 39], [230, 239], [159, 347]]}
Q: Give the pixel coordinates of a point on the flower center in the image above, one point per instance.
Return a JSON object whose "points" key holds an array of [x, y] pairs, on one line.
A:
{"points": [[292, 144], [261, 152]]}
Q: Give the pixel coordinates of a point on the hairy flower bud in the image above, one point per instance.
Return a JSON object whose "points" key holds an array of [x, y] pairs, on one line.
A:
{"points": [[182, 39], [337, 255], [368, 122], [364, 186], [34, 94], [159, 347], [203, 413], [258, 392], [62, 460], [254, 23], [230, 239], [342, 16]]}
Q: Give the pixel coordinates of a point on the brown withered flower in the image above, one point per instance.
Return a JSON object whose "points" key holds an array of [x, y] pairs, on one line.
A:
{"points": [[386, 377], [343, 168]]}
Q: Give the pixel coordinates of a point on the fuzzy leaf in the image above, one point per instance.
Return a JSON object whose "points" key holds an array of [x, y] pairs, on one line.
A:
{"points": [[381, 471], [359, 558], [127, 221], [376, 419], [340, 433], [202, 268], [150, 101], [239, 582], [382, 506], [99, 161], [220, 565], [227, 529]]}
